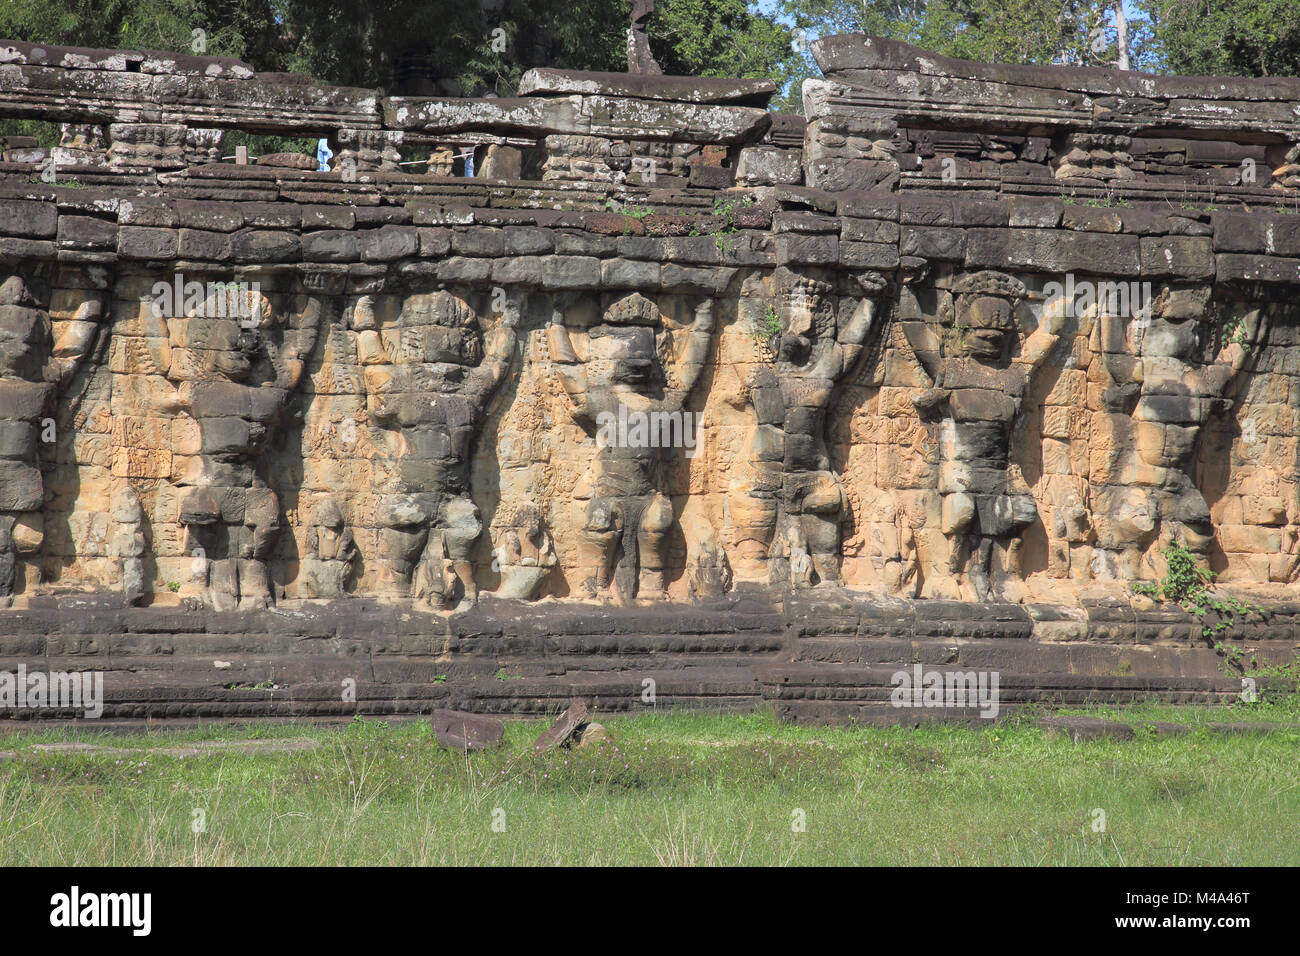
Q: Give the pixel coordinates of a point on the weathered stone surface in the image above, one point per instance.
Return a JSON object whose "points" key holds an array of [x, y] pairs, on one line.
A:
{"points": [[214, 216], [566, 727], [629, 274], [261, 245], [1126, 101], [592, 735], [466, 732], [201, 244], [571, 272], [331, 245], [964, 388], [769, 166], [1185, 258], [1268, 235], [681, 89], [34, 220], [596, 115], [869, 255], [388, 243], [86, 232], [1269, 269], [287, 160], [138, 242], [1053, 252]]}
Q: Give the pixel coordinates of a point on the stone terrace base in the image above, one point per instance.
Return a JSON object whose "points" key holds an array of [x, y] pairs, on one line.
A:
{"points": [[819, 656]]}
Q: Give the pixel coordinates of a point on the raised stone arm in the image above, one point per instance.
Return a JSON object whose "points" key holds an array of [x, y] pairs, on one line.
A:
{"points": [[1214, 377], [927, 375], [74, 340], [376, 364], [854, 336], [931, 402], [498, 353], [1038, 346], [1122, 366], [694, 355], [1253, 330], [842, 355], [573, 375], [298, 344]]}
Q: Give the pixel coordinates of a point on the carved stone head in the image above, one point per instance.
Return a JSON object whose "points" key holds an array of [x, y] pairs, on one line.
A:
{"points": [[328, 515], [229, 350], [439, 327], [1176, 330], [984, 310], [126, 506], [622, 355], [623, 349], [807, 312]]}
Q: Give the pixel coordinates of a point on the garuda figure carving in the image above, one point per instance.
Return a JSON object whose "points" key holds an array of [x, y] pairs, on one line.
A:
{"points": [[37, 362], [631, 393], [787, 503], [977, 390], [430, 375], [1162, 388], [239, 363]]}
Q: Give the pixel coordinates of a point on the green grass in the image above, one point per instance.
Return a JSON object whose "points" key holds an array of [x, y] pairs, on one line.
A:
{"points": [[669, 789]]}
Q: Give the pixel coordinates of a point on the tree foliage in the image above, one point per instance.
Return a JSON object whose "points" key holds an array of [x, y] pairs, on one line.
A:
{"points": [[471, 47], [718, 38], [1215, 37], [1079, 32], [1225, 37]]}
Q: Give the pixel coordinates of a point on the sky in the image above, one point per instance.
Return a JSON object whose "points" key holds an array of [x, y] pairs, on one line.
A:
{"points": [[772, 6]]}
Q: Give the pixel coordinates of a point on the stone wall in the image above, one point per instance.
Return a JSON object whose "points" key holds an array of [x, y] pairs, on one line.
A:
{"points": [[989, 334]]}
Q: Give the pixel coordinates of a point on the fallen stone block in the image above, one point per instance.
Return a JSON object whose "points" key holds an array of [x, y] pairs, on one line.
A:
{"points": [[461, 731], [568, 725]]}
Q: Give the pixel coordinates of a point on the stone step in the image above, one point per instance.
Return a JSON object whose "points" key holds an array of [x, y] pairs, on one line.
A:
{"points": [[831, 651], [837, 704], [789, 679], [1030, 656], [145, 696]]}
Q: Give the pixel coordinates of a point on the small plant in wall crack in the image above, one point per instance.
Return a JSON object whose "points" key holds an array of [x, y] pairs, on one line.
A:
{"points": [[766, 333], [959, 329], [1283, 679], [1233, 658], [726, 209], [634, 212], [1235, 331]]}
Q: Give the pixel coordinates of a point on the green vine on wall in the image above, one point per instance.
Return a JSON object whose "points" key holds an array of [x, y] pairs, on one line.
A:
{"points": [[1189, 585]]}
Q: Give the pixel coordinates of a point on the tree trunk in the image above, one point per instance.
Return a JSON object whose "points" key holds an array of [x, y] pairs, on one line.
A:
{"points": [[1121, 35]]}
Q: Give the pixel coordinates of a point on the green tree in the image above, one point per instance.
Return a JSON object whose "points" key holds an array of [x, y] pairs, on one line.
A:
{"points": [[489, 46], [1206, 37], [129, 24], [484, 45], [1079, 32], [1225, 37], [718, 38]]}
